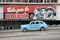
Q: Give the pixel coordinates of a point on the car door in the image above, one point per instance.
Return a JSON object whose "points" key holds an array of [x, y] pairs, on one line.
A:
{"points": [[33, 26], [37, 26]]}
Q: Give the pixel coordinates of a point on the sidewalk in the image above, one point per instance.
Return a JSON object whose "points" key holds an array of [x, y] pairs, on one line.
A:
{"points": [[53, 28], [18, 30], [14, 30]]}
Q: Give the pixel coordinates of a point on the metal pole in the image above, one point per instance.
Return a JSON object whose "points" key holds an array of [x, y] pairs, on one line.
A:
{"points": [[43, 1], [5, 0], [28, 1]]}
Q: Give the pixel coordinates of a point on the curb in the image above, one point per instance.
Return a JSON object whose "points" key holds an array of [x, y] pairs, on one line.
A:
{"points": [[54, 29], [12, 31], [9, 31]]}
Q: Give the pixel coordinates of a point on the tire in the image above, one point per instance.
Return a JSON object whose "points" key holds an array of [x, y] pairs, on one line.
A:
{"points": [[24, 30], [42, 29]]}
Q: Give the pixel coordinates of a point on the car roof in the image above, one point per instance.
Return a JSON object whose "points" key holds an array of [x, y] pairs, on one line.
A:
{"points": [[37, 21]]}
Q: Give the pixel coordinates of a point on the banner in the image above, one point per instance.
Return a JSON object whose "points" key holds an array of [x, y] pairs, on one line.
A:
{"points": [[24, 8], [39, 12]]}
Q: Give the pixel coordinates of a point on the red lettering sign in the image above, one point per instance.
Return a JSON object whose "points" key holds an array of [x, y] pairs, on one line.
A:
{"points": [[24, 8], [16, 16]]}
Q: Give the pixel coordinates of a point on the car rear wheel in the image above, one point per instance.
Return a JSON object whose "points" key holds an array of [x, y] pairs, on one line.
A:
{"points": [[42, 29], [24, 30]]}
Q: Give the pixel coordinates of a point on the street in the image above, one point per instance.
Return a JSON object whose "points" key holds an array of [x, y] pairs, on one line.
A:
{"points": [[31, 35]]}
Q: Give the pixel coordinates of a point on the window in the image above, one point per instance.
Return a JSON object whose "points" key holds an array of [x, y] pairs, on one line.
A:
{"points": [[47, 1], [44, 1], [54, 1], [50, 1], [30, 0], [37, 22], [17, 0], [36, 1], [40, 1], [24, 0], [41, 22], [4, 0], [20, 0], [9, 0], [33, 23]]}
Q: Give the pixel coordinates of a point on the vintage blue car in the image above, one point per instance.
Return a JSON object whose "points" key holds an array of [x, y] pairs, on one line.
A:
{"points": [[34, 25]]}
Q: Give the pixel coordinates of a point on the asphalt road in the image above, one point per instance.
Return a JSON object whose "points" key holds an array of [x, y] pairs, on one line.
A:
{"points": [[32, 35]]}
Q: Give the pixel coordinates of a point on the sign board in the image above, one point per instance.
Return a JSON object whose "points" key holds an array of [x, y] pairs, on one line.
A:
{"points": [[39, 12], [16, 16]]}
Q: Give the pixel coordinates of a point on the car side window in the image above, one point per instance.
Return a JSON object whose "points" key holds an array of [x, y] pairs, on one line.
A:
{"points": [[37, 22], [33, 23], [41, 22]]}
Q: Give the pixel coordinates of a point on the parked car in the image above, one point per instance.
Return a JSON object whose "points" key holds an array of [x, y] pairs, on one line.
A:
{"points": [[34, 25]]}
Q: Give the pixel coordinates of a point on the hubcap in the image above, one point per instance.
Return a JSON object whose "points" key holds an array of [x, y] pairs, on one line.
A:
{"points": [[25, 30]]}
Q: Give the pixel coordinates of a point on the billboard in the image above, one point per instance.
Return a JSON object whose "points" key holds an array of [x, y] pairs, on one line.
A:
{"points": [[45, 13], [34, 12]]}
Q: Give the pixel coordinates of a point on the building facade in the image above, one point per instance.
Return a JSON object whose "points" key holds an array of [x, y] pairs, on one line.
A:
{"points": [[13, 13]]}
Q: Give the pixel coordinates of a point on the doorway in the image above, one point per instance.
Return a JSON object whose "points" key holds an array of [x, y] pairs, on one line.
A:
{"points": [[9, 27]]}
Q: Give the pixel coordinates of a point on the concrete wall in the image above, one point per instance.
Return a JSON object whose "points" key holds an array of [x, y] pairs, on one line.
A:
{"points": [[1, 13], [58, 12]]}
